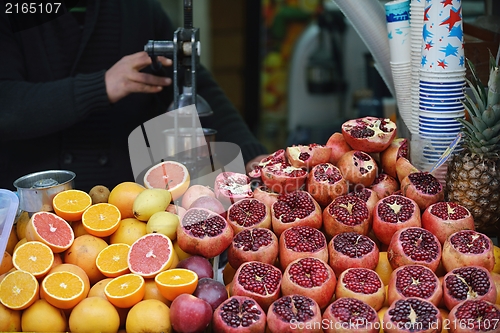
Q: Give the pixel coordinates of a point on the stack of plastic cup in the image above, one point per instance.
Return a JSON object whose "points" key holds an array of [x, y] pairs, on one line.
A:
{"points": [[398, 28], [416, 27]]}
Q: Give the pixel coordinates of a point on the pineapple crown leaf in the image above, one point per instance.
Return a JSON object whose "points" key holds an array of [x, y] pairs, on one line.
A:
{"points": [[478, 92], [489, 116], [471, 106], [494, 80], [479, 123]]}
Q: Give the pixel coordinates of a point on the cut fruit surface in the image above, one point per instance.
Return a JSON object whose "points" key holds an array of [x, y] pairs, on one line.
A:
{"points": [[173, 282], [51, 229], [150, 255], [169, 175], [18, 290], [101, 219], [71, 204], [126, 290], [63, 289], [112, 260], [34, 257]]}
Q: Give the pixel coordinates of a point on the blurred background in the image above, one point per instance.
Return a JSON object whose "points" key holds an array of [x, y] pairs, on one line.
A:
{"points": [[297, 68]]}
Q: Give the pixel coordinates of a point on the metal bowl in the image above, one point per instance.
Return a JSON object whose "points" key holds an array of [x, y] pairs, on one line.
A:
{"points": [[37, 190]]}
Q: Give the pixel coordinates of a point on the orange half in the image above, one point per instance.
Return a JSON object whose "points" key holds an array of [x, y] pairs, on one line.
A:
{"points": [[101, 219], [34, 257], [71, 204], [126, 290], [18, 290], [112, 260], [173, 282], [63, 289]]}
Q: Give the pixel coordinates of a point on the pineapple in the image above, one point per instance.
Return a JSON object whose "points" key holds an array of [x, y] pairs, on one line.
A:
{"points": [[473, 178]]}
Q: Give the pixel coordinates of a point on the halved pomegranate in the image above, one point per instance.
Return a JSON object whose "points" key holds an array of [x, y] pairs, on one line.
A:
{"points": [[204, 233], [475, 316], [346, 213], [384, 185], [399, 147], [265, 195], [353, 315], [422, 187], [369, 134], [311, 277], [414, 246], [412, 314], [307, 156], [325, 183], [358, 167], [276, 157], [257, 280], [293, 209], [414, 281], [301, 242], [288, 313], [394, 213], [231, 187], [363, 284], [338, 146], [466, 248], [466, 283], [239, 314], [248, 213], [256, 244], [350, 249], [283, 177], [367, 195]]}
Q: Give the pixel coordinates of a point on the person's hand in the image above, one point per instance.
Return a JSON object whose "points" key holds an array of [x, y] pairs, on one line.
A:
{"points": [[125, 77], [254, 162]]}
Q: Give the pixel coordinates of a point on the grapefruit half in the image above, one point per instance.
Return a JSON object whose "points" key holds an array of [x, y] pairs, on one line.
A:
{"points": [[169, 175], [150, 255], [49, 228]]}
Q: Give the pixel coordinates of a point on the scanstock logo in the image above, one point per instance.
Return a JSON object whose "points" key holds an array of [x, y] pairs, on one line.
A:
{"points": [[178, 136]]}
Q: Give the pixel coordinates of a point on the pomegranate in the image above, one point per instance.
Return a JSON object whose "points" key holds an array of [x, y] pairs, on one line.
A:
{"points": [[265, 195], [198, 264], [466, 283], [248, 213], [404, 168], [369, 134], [231, 187], [212, 291], [294, 313], [363, 284], [414, 246], [301, 242], [353, 315], [209, 203], [414, 281], [422, 187], [239, 314], [295, 208], [474, 316], [204, 233], [302, 156], [190, 314], [283, 177], [445, 218], [194, 192], [276, 157], [384, 185], [257, 244], [310, 277], [345, 214], [350, 249], [358, 167], [412, 314], [394, 213], [257, 280], [367, 195], [399, 147], [325, 183], [468, 248], [338, 146]]}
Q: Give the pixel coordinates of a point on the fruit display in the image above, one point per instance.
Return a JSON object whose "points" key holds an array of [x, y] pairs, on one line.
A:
{"points": [[355, 241]]}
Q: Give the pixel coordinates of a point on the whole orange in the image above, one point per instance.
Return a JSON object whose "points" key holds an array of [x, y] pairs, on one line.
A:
{"points": [[83, 253], [10, 320], [123, 196], [41, 316], [130, 230], [94, 314], [150, 315]]}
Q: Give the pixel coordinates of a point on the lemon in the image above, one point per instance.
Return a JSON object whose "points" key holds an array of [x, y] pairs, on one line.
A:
{"points": [[163, 223], [496, 251]]}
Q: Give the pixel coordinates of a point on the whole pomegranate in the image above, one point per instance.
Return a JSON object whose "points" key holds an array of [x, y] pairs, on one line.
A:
{"points": [[466, 283], [350, 249], [310, 277], [257, 280], [293, 209], [474, 316], [394, 213], [412, 314], [307, 156], [301, 242], [204, 233], [198, 264], [338, 146], [384, 185], [231, 187], [413, 245], [212, 291], [325, 183], [346, 214], [194, 192], [283, 177], [369, 134], [363, 284], [256, 244], [358, 167], [352, 314], [248, 213], [468, 248], [239, 314], [291, 313], [422, 187], [399, 147], [414, 281], [190, 314]]}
